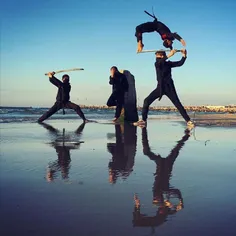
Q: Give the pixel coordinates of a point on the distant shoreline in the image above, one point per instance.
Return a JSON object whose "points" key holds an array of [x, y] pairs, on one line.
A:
{"points": [[218, 109]]}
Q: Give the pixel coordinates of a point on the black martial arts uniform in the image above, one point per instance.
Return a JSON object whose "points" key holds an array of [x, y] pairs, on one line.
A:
{"points": [[165, 86], [119, 87], [157, 26], [62, 100]]}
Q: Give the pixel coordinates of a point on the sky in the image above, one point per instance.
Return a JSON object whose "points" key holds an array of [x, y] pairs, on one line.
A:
{"points": [[50, 35]]}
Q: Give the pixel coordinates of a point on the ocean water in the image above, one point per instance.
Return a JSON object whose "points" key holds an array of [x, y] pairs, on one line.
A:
{"points": [[30, 114], [67, 178]]}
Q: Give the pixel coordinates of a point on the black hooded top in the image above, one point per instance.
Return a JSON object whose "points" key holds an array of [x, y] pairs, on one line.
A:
{"points": [[63, 94]]}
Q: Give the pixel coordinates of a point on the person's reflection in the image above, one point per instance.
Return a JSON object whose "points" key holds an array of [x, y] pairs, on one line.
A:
{"points": [[123, 152], [62, 144], [162, 191]]}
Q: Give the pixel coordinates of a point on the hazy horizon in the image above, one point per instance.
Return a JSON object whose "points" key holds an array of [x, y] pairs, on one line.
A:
{"points": [[37, 37]]}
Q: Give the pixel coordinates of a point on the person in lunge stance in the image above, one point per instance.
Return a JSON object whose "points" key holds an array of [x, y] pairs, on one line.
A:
{"points": [[63, 98], [166, 35], [119, 87], [165, 86]]}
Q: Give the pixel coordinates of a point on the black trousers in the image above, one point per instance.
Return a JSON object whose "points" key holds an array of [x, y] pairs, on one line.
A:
{"points": [[116, 99], [57, 106], [170, 92]]}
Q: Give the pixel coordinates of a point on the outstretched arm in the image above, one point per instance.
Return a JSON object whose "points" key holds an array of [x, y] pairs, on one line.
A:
{"points": [[177, 63], [178, 37], [111, 80]]}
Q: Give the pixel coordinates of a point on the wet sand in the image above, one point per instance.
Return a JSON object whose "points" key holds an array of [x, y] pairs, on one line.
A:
{"points": [[62, 178], [215, 119]]}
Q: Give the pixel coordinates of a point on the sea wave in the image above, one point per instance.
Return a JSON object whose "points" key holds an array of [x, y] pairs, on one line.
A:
{"points": [[31, 114]]}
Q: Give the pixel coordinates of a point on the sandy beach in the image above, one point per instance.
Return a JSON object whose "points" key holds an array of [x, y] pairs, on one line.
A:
{"points": [[64, 178]]}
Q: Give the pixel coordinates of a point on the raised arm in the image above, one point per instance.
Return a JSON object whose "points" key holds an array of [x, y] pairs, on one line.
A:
{"points": [[160, 61], [180, 62], [111, 80], [112, 75], [177, 63], [54, 80]]}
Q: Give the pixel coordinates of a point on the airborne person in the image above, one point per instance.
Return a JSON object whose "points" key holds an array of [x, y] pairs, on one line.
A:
{"points": [[166, 35]]}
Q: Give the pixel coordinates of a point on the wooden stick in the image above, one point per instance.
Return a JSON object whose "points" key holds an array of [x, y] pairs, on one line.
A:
{"points": [[160, 50], [60, 71]]}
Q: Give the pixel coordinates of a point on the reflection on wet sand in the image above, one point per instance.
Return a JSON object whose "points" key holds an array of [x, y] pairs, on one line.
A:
{"points": [[62, 143], [123, 152], [167, 199]]}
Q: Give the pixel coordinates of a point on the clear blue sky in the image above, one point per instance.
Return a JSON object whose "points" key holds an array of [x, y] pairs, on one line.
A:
{"points": [[47, 35]]}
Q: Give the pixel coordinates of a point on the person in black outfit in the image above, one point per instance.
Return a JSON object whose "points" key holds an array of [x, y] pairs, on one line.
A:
{"points": [[166, 35], [162, 191], [62, 99], [119, 87], [165, 85]]}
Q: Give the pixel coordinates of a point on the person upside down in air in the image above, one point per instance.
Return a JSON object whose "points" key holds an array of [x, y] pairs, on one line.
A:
{"points": [[166, 35]]}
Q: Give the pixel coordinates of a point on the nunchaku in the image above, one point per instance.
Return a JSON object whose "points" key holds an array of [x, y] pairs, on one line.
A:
{"points": [[68, 70]]}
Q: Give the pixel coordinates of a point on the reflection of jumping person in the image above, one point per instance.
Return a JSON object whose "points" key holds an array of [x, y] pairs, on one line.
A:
{"points": [[63, 98], [123, 152], [119, 87], [165, 86], [162, 192], [160, 28], [62, 164]]}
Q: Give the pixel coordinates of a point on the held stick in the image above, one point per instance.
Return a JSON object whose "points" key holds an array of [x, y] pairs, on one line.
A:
{"points": [[60, 71], [161, 50]]}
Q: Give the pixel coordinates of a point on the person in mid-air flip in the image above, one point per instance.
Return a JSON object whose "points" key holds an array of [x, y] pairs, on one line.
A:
{"points": [[166, 35], [165, 86]]}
